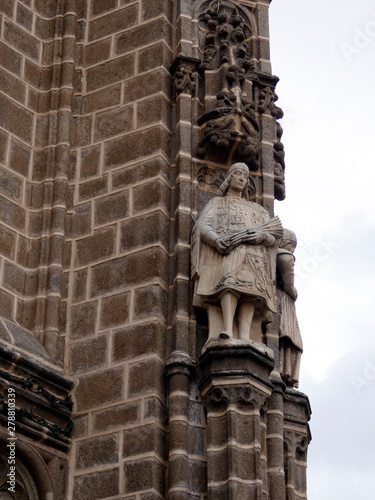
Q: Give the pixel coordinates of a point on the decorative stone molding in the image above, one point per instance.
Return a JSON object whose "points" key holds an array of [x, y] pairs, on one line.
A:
{"points": [[183, 70]]}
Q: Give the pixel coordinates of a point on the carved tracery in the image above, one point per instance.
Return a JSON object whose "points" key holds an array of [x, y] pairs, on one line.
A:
{"points": [[229, 124]]}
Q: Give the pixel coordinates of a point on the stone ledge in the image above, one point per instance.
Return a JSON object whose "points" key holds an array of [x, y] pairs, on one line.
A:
{"points": [[223, 359]]}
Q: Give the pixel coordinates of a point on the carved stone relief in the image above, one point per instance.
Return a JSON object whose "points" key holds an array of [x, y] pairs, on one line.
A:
{"points": [[184, 75], [244, 396], [229, 123], [267, 100], [227, 32]]}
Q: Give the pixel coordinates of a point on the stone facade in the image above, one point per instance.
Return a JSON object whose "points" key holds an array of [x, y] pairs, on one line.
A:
{"points": [[118, 121]]}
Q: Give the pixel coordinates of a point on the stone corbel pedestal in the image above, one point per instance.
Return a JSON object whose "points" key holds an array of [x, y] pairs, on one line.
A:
{"points": [[235, 389]]}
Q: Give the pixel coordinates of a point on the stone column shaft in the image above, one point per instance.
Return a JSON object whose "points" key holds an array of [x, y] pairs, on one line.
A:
{"points": [[275, 443], [235, 390]]}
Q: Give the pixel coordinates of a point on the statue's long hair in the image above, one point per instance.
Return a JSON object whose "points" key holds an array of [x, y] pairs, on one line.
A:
{"points": [[247, 192]]}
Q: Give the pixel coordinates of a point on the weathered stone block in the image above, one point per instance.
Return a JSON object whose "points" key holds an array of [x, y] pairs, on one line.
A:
{"points": [[114, 22], [129, 270], [105, 98], [102, 450], [7, 8], [134, 38], [145, 230], [100, 389], [79, 131], [12, 214], [100, 245], [152, 195], [144, 85], [141, 171], [7, 242], [88, 355], [145, 377], [9, 59], [182, 261], [79, 285], [90, 161], [7, 305], [97, 485], [182, 296], [150, 301], [111, 208], [197, 441], [93, 188], [78, 224], [24, 41], [144, 439], [154, 110], [138, 340], [12, 86], [116, 416], [83, 319], [3, 145], [153, 8], [154, 57], [135, 145], [101, 6], [110, 72], [97, 52], [24, 17], [154, 408], [114, 122], [47, 8], [16, 119], [18, 280], [81, 426], [218, 430], [29, 252], [144, 475], [19, 157], [115, 310], [39, 78], [25, 313]]}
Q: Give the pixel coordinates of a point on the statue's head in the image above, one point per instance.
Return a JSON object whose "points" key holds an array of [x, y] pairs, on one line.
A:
{"points": [[288, 241], [226, 183]]}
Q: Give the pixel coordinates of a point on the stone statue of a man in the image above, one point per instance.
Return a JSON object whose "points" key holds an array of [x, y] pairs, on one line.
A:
{"points": [[290, 336], [233, 259]]}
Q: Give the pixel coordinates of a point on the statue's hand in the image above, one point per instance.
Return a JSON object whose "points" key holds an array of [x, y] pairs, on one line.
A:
{"points": [[221, 246], [255, 238]]}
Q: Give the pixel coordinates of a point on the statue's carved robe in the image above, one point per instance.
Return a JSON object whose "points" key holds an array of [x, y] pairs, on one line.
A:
{"points": [[246, 270], [291, 346]]}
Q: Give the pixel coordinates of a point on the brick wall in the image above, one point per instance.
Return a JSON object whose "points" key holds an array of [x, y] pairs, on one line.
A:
{"points": [[120, 245], [20, 47]]}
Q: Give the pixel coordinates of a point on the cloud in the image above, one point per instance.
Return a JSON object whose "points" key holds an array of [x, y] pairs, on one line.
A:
{"points": [[341, 453], [330, 182]]}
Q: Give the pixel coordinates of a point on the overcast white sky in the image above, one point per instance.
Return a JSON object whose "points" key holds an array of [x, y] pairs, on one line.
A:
{"points": [[324, 53]]}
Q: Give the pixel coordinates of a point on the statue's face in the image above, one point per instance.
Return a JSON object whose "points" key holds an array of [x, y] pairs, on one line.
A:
{"points": [[239, 180], [290, 246]]}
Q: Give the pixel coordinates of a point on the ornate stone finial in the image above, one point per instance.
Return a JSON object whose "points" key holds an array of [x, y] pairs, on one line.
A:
{"points": [[290, 336], [232, 244]]}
